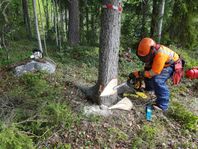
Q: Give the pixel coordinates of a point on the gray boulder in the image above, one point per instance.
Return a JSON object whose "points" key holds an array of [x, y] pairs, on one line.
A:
{"points": [[33, 66]]}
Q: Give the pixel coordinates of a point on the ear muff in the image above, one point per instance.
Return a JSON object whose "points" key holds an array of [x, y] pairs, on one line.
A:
{"points": [[148, 57]]}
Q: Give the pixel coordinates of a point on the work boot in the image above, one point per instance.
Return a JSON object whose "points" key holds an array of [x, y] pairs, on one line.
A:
{"points": [[156, 107]]}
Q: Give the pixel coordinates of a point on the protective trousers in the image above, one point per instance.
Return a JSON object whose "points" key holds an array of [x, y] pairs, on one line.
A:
{"points": [[158, 85]]}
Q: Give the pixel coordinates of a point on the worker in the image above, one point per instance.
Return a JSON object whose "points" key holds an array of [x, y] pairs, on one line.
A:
{"points": [[159, 67]]}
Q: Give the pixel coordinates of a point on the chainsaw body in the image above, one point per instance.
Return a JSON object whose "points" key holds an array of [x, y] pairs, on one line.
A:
{"points": [[131, 89]]}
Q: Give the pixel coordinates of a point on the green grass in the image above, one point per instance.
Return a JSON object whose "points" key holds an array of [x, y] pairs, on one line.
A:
{"points": [[16, 52], [117, 134], [186, 118], [145, 137], [37, 105]]}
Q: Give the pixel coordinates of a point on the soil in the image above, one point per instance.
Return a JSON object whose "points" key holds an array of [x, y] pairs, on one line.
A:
{"points": [[121, 128]]}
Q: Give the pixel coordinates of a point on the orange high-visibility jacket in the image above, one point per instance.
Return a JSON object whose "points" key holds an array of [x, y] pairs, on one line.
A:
{"points": [[163, 57]]}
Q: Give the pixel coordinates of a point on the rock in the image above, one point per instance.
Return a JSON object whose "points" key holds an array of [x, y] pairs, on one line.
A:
{"points": [[35, 66]]}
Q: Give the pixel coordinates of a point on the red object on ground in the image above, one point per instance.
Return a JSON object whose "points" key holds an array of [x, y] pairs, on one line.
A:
{"points": [[192, 73]]}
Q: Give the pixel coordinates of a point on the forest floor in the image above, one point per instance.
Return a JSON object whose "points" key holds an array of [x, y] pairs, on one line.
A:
{"points": [[47, 111]]}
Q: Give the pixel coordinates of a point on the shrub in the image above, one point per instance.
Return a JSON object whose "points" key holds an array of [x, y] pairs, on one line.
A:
{"points": [[12, 138]]}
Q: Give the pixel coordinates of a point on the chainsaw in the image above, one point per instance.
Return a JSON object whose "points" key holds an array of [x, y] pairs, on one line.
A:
{"points": [[132, 87], [134, 84]]}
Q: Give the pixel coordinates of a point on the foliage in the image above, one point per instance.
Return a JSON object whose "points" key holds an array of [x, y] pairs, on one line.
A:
{"points": [[182, 115], [126, 67], [146, 137], [190, 57], [12, 138], [82, 57], [59, 114], [17, 51], [184, 23], [39, 100], [35, 84]]}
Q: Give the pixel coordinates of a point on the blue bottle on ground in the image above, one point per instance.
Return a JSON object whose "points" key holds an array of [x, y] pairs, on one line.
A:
{"points": [[148, 112]]}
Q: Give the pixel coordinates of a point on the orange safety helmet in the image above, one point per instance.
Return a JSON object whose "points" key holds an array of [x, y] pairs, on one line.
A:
{"points": [[144, 46]]}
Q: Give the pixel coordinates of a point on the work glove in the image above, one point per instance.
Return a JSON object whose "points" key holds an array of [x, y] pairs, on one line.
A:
{"points": [[132, 77], [135, 79], [136, 74]]}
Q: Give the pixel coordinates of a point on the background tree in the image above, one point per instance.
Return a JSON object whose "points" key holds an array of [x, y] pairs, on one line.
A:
{"points": [[144, 9], [36, 26], [73, 29], [160, 20], [26, 18], [154, 19], [183, 26]]}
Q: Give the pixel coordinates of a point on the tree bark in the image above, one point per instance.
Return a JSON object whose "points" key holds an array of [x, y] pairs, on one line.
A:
{"points": [[61, 28], [161, 14], [144, 7], [108, 53], [154, 19], [82, 28], [66, 23], [87, 24], [74, 23], [26, 18], [56, 22], [93, 34], [43, 29], [36, 26], [46, 10]]}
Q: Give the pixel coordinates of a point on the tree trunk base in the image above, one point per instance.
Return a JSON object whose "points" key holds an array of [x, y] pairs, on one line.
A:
{"points": [[91, 93]]}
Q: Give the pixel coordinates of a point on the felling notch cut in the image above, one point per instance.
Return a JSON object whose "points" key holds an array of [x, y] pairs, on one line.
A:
{"points": [[109, 89]]}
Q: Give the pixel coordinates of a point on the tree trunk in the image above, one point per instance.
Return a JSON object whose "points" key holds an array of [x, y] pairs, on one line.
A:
{"points": [[26, 18], [161, 14], [74, 23], [36, 26], [87, 24], [82, 29], [61, 27], [154, 19], [144, 7], [43, 29], [93, 21], [56, 22], [108, 53], [66, 23], [46, 10]]}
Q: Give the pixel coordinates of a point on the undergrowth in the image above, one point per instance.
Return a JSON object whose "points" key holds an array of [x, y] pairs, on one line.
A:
{"points": [[13, 138], [145, 137], [186, 118], [34, 106]]}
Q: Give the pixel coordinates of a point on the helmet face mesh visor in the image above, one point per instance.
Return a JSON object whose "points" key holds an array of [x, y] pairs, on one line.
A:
{"points": [[147, 58]]}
